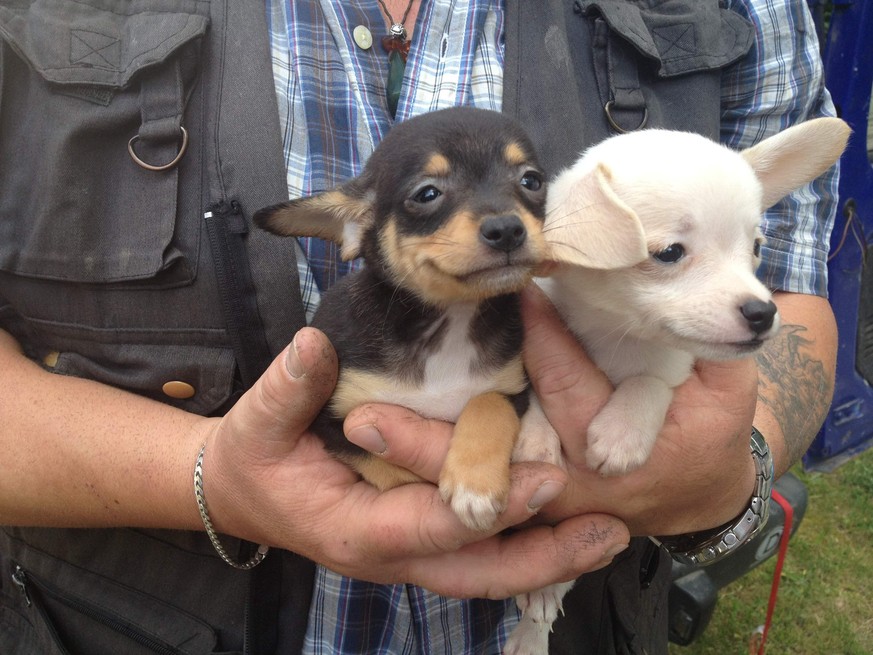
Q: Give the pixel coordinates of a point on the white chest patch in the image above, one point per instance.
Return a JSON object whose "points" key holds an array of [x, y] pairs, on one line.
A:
{"points": [[451, 377]]}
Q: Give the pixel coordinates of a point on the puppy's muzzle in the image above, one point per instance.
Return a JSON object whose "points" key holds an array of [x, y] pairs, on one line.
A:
{"points": [[759, 315], [504, 233]]}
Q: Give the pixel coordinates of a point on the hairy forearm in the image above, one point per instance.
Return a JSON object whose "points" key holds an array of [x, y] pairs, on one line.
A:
{"points": [[796, 377], [77, 453]]}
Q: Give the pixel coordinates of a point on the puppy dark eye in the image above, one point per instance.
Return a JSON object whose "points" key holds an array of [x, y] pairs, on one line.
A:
{"points": [[532, 181], [427, 194], [671, 254], [757, 249]]}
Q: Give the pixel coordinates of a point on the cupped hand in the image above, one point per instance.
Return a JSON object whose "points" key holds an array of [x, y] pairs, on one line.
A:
{"points": [[700, 474], [269, 480]]}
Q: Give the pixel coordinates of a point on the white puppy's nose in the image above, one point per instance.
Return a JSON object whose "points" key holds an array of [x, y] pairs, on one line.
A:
{"points": [[759, 315]]}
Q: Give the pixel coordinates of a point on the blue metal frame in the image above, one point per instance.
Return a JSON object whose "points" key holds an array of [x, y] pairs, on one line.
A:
{"points": [[848, 60]]}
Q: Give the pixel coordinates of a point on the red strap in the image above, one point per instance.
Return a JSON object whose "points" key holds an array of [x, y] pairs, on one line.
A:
{"points": [[780, 560]]}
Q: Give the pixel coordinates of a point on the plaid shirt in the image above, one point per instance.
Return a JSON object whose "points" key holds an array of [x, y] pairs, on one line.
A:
{"points": [[331, 98], [332, 94]]}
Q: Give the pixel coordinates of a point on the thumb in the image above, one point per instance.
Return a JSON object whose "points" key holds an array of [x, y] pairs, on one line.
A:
{"points": [[570, 387], [288, 396], [263, 428]]}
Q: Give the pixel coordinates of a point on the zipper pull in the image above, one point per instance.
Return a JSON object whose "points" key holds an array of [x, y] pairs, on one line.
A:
{"points": [[19, 577]]}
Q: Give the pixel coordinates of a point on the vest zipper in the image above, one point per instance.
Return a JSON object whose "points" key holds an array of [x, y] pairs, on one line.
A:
{"points": [[21, 580], [31, 590]]}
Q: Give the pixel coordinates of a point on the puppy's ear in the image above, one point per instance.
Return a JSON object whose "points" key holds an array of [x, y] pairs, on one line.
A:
{"points": [[588, 225], [340, 215], [790, 159]]}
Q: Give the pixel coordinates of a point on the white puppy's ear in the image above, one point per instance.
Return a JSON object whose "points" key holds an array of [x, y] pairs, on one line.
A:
{"points": [[790, 159], [340, 215], [588, 225]]}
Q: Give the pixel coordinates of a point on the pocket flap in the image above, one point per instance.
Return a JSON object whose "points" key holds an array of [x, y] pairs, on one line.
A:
{"points": [[681, 36], [81, 43], [198, 379]]}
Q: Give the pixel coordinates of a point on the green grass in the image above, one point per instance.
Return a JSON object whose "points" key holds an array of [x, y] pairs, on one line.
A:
{"points": [[825, 604]]}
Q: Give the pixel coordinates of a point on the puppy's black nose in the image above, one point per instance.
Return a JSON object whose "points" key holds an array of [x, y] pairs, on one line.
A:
{"points": [[759, 314], [504, 233]]}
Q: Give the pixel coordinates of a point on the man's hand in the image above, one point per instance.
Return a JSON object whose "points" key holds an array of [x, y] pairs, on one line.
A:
{"points": [[269, 480], [700, 474]]}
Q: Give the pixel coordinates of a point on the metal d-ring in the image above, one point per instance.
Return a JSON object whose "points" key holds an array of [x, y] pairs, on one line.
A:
{"points": [[618, 128], [162, 167]]}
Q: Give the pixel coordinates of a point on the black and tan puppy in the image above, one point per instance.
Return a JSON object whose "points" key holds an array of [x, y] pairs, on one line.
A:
{"points": [[447, 216]]}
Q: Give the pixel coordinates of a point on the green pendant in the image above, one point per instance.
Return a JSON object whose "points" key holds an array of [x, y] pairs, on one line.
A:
{"points": [[396, 68]]}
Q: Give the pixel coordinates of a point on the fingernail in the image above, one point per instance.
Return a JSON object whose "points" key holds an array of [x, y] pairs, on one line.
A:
{"points": [[368, 438], [545, 493], [614, 550], [292, 361]]}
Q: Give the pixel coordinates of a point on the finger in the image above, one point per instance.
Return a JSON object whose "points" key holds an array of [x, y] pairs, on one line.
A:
{"points": [[730, 375], [725, 391], [401, 437], [287, 397], [413, 521], [569, 385], [264, 426], [529, 559]]}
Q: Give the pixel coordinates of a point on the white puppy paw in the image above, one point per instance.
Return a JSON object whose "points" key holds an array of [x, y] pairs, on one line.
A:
{"points": [[537, 440], [617, 446], [544, 605], [477, 510], [539, 609], [528, 638]]}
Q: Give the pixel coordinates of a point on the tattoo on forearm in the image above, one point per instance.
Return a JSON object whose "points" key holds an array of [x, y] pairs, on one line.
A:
{"points": [[795, 386]]}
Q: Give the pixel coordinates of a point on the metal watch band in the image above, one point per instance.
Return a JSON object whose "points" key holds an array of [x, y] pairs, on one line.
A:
{"points": [[706, 547]]}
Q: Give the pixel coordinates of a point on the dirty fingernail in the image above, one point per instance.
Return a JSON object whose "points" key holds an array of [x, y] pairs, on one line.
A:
{"points": [[368, 438], [545, 493], [613, 551], [292, 360]]}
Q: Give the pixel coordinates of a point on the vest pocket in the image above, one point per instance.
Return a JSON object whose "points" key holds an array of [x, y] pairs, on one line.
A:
{"points": [[677, 36], [64, 619], [82, 89]]}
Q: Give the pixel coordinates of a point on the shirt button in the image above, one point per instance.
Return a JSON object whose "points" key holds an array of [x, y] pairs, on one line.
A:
{"points": [[178, 390], [362, 37]]}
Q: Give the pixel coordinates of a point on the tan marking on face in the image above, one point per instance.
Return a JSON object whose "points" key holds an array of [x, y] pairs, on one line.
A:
{"points": [[481, 448], [437, 165], [515, 155], [436, 265]]}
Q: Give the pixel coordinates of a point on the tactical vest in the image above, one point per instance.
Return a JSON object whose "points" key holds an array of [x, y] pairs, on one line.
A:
{"points": [[136, 140]]}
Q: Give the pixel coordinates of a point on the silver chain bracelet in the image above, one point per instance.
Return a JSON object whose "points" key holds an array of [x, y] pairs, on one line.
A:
{"points": [[255, 559]]}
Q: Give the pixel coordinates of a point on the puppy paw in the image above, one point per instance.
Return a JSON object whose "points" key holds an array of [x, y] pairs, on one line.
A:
{"points": [[538, 450], [539, 610], [617, 447], [478, 509], [537, 441], [622, 435], [528, 638], [544, 605]]}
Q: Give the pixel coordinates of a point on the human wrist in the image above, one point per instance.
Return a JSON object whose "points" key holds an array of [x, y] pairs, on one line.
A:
{"points": [[707, 546], [203, 509]]}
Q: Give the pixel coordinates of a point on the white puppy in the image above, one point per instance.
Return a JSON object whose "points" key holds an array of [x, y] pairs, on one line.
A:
{"points": [[656, 238]]}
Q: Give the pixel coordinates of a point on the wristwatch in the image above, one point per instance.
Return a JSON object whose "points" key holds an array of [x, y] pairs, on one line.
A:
{"points": [[708, 546]]}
